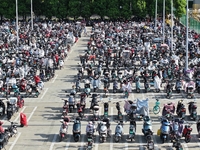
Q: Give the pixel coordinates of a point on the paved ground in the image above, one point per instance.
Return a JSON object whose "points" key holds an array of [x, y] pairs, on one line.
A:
{"points": [[44, 114]]}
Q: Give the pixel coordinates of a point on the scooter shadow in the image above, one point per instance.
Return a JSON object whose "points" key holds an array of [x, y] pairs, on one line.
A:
{"points": [[47, 138]]}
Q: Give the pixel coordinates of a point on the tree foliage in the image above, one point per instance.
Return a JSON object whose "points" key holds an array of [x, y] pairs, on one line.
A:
{"points": [[180, 6], [85, 8]]}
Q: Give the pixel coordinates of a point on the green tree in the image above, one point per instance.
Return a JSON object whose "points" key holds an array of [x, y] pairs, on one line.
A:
{"points": [[74, 8], [99, 7], [140, 8], [126, 11], [114, 10], [180, 8]]}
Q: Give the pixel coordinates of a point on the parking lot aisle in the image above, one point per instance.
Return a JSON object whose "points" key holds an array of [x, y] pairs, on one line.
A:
{"points": [[113, 131], [31, 114], [15, 141], [68, 143], [53, 142]]}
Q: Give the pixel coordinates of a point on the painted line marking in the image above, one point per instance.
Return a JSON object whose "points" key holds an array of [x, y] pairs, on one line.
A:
{"points": [[111, 138], [126, 146], [53, 142], [13, 144], [44, 93], [31, 114], [67, 144], [54, 79]]}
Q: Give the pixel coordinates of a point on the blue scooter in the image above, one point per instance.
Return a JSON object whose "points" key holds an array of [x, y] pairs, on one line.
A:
{"points": [[147, 128], [137, 84], [164, 130]]}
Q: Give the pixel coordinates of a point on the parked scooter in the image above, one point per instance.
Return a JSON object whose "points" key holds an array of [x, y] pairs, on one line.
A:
{"points": [[192, 107], [178, 86], [106, 106], [102, 131], [4, 137], [72, 102], [63, 129], [118, 131], [95, 112], [177, 144], [77, 129], [165, 129], [137, 84], [87, 89], [77, 84], [147, 128], [181, 110], [119, 113], [12, 129], [11, 107], [169, 88], [96, 83], [80, 110], [132, 130], [20, 101], [198, 128], [176, 129], [115, 85], [83, 100], [187, 133], [150, 145], [2, 107], [190, 87]]}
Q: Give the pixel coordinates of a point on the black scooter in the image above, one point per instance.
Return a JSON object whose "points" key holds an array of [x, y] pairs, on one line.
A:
{"points": [[119, 113], [77, 130], [2, 107], [11, 109]]}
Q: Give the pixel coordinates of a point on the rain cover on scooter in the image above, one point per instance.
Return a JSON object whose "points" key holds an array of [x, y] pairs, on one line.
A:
{"points": [[157, 82], [143, 107], [127, 87], [127, 106]]}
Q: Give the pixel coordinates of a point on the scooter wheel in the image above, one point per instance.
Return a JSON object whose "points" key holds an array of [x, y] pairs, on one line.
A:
{"points": [[187, 140]]}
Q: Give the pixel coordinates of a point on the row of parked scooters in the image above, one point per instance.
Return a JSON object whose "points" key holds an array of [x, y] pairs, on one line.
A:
{"points": [[9, 132], [13, 106]]}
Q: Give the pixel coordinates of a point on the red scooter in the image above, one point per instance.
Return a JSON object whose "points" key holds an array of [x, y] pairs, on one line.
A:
{"points": [[65, 107], [20, 101], [23, 84], [187, 133], [83, 100], [63, 129]]}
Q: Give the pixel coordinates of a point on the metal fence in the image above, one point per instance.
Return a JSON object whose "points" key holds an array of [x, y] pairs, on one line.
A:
{"points": [[193, 23]]}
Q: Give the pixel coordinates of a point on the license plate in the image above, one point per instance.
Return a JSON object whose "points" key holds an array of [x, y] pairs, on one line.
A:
{"points": [[131, 132]]}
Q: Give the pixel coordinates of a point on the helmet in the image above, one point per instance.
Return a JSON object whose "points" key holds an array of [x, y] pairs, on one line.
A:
{"points": [[90, 122], [1, 123]]}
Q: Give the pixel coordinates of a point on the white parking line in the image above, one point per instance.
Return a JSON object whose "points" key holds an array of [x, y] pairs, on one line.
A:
{"points": [[55, 77], [126, 146], [111, 114], [185, 145], [44, 93], [67, 144], [111, 138], [17, 118], [32, 113], [16, 138], [53, 142]]}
